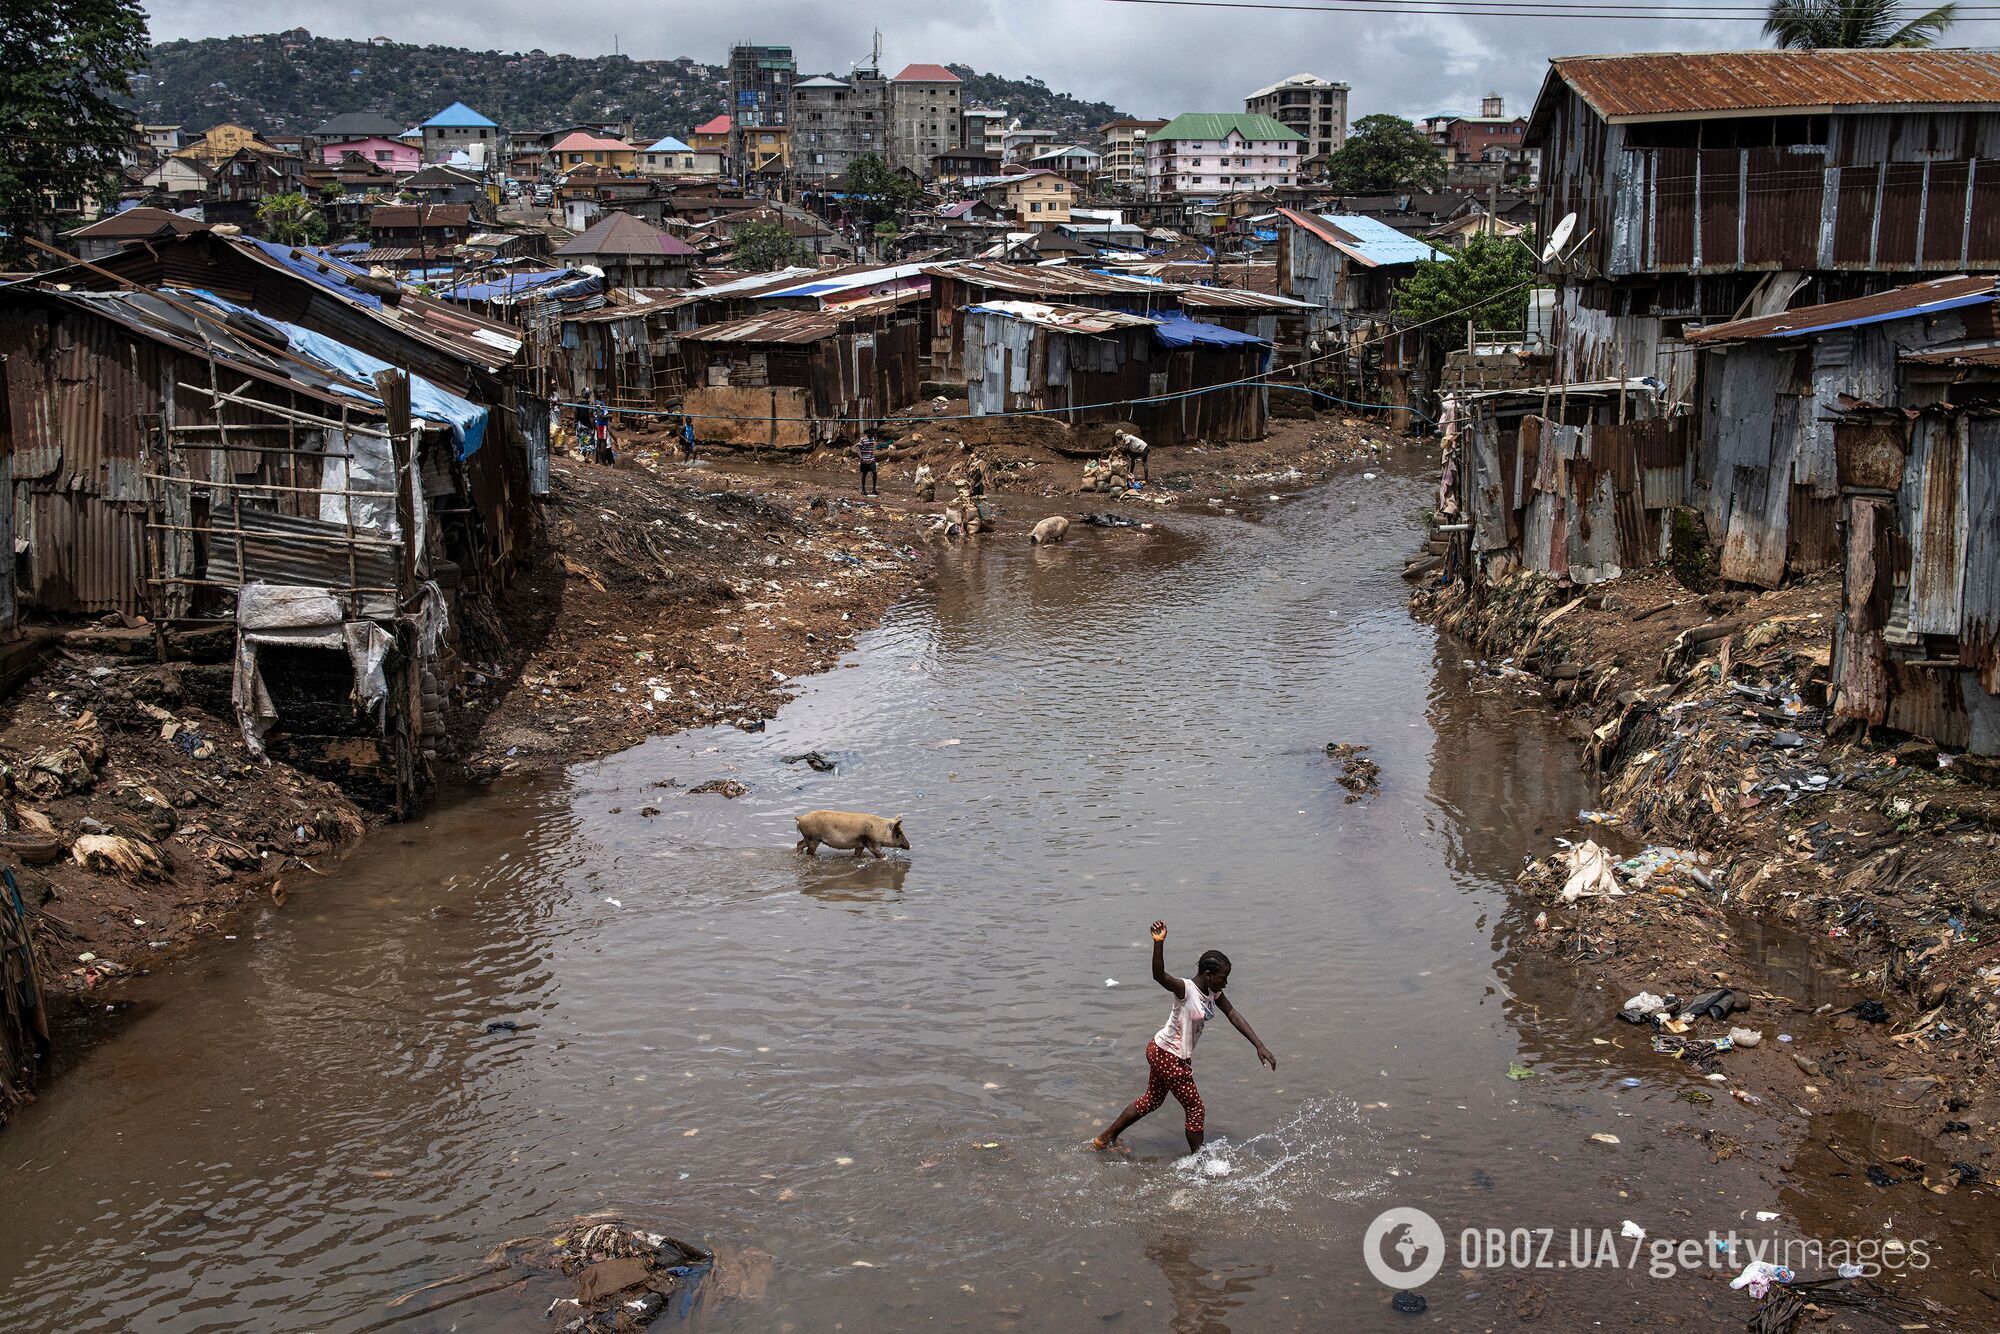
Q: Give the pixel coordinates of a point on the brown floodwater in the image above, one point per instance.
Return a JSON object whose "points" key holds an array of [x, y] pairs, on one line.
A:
{"points": [[882, 1074]]}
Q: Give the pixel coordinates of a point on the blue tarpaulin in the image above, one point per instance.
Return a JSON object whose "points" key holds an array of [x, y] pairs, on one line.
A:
{"points": [[514, 284], [466, 418], [325, 270], [1178, 331]]}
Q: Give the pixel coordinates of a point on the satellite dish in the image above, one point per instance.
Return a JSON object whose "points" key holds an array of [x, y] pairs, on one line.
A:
{"points": [[1559, 238]]}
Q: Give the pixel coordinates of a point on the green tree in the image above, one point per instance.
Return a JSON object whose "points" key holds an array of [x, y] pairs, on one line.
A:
{"points": [[1385, 153], [764, 246], [62, 64], [884, 192], [1486, 282], [1807, 24], [291, 220]]}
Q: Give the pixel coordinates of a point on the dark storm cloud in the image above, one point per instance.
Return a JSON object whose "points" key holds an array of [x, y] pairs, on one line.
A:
{"points": [[1146, 60]]}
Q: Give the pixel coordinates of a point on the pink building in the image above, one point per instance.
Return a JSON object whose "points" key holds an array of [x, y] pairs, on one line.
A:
{"points": [[388, 154]]}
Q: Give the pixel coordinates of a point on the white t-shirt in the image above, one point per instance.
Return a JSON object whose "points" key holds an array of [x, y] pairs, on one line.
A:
{"points": [[1193, 1009]]}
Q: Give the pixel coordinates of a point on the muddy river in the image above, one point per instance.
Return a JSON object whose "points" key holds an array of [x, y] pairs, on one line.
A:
{"points": [[882, 1074]]}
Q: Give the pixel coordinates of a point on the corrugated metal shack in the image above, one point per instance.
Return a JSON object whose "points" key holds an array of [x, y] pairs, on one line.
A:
{"points": [[461, 353], [1714, 185], [175, 450], [1918, 647], [958, 285], [1347, 266], [795, 379], [1880, 413], [1766, 475], [1092, 364], [1573, 481]]}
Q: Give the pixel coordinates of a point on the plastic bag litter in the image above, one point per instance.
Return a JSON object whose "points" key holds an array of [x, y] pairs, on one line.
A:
{"points": [[1646, 1004], [1759, 1275], [1640, 871], [1590, 873]]}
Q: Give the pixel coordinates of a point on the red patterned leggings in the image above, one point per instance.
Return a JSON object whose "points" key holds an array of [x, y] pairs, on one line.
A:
{"points": [[1171, 1074]]}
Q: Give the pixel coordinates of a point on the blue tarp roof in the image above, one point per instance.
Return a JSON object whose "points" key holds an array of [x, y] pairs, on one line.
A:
{"points": [[459, 116], [324, 270], [466, 418], [513, 284], [1179, 331], [1378, 242], [668, 145]]}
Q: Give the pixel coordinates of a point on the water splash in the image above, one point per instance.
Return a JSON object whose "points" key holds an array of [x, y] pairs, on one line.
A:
{"points": [[1328, 1150]]}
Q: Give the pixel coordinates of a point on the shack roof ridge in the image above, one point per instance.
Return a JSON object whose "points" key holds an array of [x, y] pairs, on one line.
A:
{"points": [[1907, 302], [1666, 85]]}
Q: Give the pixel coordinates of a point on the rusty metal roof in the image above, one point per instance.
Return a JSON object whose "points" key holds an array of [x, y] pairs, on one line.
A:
{"points": [[1957, 354], [1668, 84], [800, 326], [1045, 280], [1237, 298], [1898, 303]]}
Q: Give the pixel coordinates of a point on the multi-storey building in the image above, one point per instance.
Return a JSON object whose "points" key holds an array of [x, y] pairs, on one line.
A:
{"points": [[1125, 149], [760, 99], [460, 129], [1489, 147], [1316, 108], [925, 106], [983, 130], [835, 121], [1209, 154]]}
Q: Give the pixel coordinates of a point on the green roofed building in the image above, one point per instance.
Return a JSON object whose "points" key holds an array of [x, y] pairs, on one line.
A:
{"points": [[1209, 154]]}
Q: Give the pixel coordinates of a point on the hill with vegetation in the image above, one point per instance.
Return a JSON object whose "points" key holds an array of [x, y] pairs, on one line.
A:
{"points": [[289, 82]]}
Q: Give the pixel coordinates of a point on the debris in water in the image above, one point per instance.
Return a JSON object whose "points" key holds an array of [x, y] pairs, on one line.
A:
{"points": [[1357, 772], [813, 760], [1515, 1070], [1604, 1137], [614, 903], [727, 787]]}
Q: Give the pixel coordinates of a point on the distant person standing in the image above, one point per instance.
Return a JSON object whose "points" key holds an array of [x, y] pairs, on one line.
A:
{"points": [[687, 439], [600, 432], [580, 429], [1137, 451], [865, 450]]}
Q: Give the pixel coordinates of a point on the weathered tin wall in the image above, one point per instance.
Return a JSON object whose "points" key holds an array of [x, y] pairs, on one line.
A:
{"points": [[1917, 647], [1014, 365], [1766, 474], [1582, 500]]}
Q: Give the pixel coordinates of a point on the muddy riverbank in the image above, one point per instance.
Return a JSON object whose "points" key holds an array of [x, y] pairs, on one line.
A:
{"points": [[868, 1083], [1847, 888]]}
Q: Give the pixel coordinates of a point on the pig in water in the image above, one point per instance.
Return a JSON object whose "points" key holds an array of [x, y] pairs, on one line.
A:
{"points": [[1055, 528], [850, 829]]}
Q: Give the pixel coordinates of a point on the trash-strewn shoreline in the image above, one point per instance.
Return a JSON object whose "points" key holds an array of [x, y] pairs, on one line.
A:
{"points": [[1742, 834]]}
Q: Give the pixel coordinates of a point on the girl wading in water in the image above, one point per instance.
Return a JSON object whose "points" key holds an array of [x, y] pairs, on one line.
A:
{"points": [[1170, 1054]]}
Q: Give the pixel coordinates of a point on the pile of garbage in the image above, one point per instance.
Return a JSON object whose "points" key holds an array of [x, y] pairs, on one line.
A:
{"points": [[1673, 1021], [1587, 871], [624, 1277]]}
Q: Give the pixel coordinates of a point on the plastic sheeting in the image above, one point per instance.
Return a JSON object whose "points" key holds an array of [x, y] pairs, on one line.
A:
{"points": [[268, 614], [1174, 331], [466, 419], [571, 283]]}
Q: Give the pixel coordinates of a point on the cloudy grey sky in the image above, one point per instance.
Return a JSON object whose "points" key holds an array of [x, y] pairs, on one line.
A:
{"points": [[1147, 60]]}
